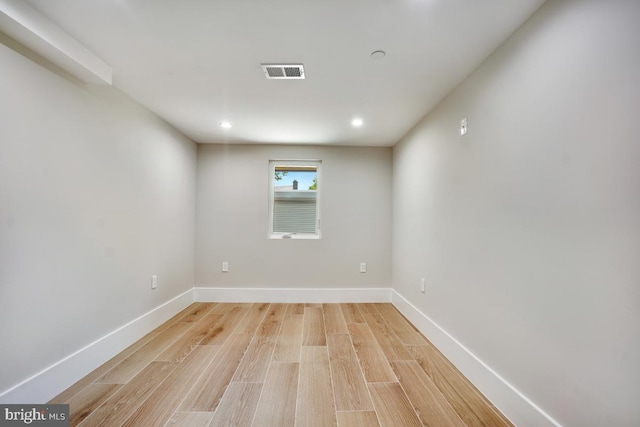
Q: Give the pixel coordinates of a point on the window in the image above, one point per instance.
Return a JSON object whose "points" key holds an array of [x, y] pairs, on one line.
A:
{"points": [[294, 208]]}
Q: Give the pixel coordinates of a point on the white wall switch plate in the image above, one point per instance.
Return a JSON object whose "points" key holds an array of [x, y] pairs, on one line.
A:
{"points": [[363, 267], [225, 266], [154, 281], [422, 285], [463, 126]]}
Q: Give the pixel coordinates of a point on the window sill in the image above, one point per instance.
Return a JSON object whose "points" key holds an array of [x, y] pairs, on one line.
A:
{"points": [[297, 236]]}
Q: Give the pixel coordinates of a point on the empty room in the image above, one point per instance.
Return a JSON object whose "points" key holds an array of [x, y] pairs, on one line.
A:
{"points": [[303, 213]]}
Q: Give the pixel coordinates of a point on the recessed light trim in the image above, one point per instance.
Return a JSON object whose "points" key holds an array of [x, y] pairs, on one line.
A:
{"points": [[377, 55], [225, 124], [357, 122]]}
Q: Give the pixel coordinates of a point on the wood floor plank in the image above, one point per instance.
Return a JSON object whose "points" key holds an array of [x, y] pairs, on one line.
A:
{"points": [[313, 330], [129, 367], [130, 396], [197, 312], [373, 362], [67, 394], [219, 332], [392, 347], [296, 308], [175, 319], [277, 404], [238, 405], [290, 339], [315, 405], [181, 348], [404, 330], [333, 319], [275, 313], [351, 313], [357, 419], [393, 406], [253, 318], [472, 407], [269, 328], [208, 390], [190, 419], [88, 400], [311, 354], [255, 362], [166, 398], [223, 307], [350, 389], [431, 406]]}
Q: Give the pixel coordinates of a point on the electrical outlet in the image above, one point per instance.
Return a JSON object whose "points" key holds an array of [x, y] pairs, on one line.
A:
{"points": [[422, 284], [363, 267], [225, 266], [463, 127], [154, 281]]}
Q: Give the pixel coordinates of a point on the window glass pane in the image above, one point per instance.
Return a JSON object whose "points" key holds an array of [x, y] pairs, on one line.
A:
{"points": [[295, 189], [287, 178]]}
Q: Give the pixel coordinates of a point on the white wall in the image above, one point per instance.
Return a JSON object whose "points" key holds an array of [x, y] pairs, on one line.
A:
{"points": [[232, 219], [96, 195], [528, 228]]}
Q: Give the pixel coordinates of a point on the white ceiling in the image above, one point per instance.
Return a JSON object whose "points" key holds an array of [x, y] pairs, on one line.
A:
{"points": [[196, 63]]}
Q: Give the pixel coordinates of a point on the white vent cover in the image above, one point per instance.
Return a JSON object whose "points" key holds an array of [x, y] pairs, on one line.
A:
{"points": [[283, 71]]}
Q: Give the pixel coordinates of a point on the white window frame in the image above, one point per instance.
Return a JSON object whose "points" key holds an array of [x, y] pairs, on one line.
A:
{"points": [[272, 169]]}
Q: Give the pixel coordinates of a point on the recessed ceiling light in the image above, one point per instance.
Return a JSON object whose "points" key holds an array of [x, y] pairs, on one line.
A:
{"points": [[225, 125], [357, 122]]}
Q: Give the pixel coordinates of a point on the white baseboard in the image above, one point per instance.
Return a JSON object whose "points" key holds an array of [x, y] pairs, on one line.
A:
{"points": [[49, 382], [292, 295], [513, 404]]}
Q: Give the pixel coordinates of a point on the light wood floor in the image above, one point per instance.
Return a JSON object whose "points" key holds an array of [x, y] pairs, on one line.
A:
{"points": [[280, 365]]}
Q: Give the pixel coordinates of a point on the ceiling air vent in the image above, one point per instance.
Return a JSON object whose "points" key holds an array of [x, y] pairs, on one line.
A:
{"points": [[283, 71]]}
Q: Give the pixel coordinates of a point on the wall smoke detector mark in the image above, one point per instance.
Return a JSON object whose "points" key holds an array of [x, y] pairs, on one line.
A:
{"points": [[283, 71]]}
